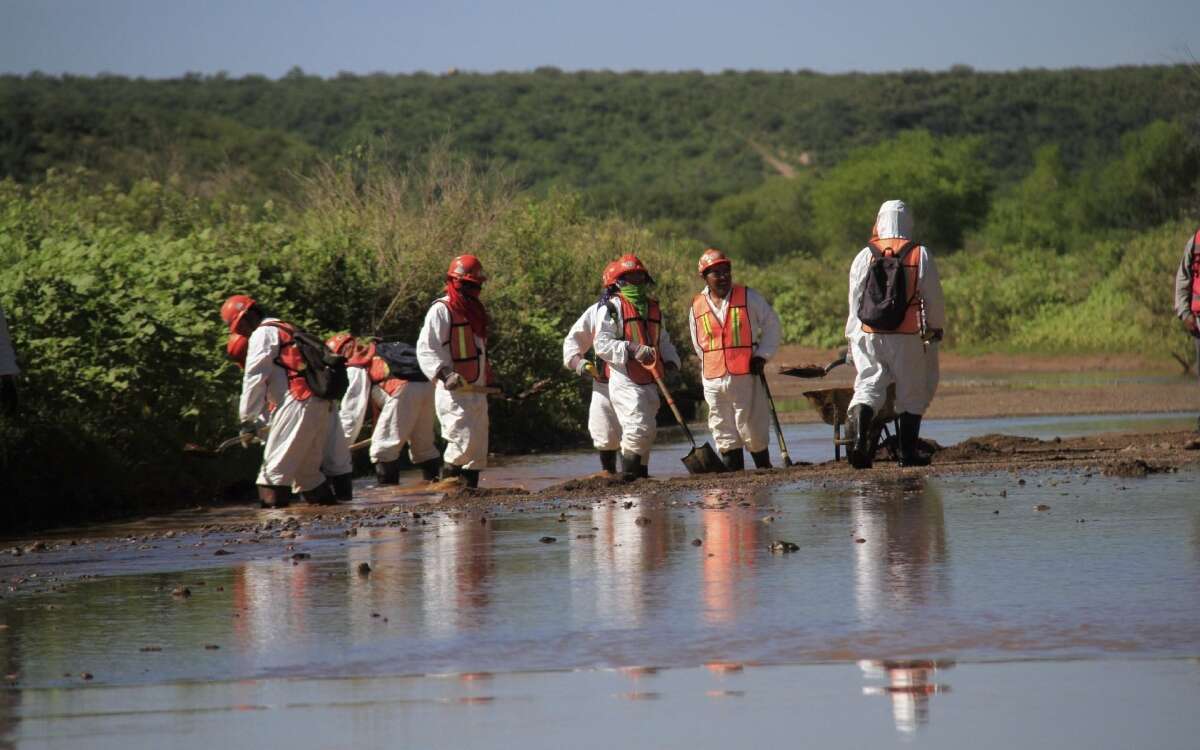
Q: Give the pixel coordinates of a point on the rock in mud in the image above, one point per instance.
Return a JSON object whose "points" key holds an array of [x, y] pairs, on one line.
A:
{"points": [[181, 592], [150, 649], [211, 647], [860, 540], [15, 551], [36, 547], [364, 569], [642, 521], [627, 504], [221, 552], [301, 556], [547, 540], [784, 547], [697, 542], [85, 675], [1132, 467], [1041, 507], [1192, 445]]}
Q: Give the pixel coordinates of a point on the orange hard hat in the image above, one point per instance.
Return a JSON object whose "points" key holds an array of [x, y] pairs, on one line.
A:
{"points": [[341, 343], [236, 347], [630, 263], [234, 308], [711, 258], [467, 268], [611, 272]]}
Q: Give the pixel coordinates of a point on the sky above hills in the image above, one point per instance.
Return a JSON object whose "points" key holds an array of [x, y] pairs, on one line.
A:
{"points": [[167, 38]]}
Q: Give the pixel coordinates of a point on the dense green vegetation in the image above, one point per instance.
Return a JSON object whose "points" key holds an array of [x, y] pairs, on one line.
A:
{"points": [[1056, 204]]}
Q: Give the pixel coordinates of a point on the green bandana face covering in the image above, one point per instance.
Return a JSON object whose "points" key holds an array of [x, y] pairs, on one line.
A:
{"points": [[637, 295]]}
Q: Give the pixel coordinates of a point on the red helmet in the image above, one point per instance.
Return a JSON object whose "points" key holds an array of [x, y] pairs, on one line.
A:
{"points": [[234, 308], [711, 258], [341, 343], [629, 263], [611, 272], [467, 268], [236, 347]]}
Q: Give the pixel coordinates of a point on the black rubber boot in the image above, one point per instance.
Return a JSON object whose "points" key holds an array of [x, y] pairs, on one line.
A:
{"points": [[631, 467], [322, 494], [472, 477], [734, 460], [431, 469], [858, 425], [343, 487], [910, 430], [644, 468], [451, 471], [274, 495], [608, 461], [388, 472], [762, 458]]}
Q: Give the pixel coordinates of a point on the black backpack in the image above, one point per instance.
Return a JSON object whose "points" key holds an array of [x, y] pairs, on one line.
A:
{"points": [[324, 372], [884, 299], [401, 359]]}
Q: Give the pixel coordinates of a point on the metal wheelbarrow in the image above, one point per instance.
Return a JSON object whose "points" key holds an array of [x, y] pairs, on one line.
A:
{"points": [[832, 403]]}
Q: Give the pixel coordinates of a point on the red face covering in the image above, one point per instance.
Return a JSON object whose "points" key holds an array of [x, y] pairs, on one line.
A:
{"points": [[465, 302]]}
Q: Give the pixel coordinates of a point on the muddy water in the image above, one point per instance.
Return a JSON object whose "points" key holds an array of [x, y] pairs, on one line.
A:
{"points": [[926, 625]]}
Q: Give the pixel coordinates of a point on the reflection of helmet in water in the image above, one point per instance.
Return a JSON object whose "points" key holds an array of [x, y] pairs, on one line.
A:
{"points": [[630, 263], [234, 308], [711, 258], [467, 268], [236, 348], [894, 221]]}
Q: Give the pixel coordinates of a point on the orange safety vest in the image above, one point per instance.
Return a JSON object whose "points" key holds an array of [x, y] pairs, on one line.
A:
{"points": [[290, 360], [463, 350], [381, 376], [727, 348], [1196, 273], [912, 262], [642, 331]]}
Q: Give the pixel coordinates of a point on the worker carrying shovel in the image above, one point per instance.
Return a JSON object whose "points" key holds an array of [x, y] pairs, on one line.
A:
{"points": [[603, 425], [734, 332], [452, 352], [896, 310], [633, 340]]}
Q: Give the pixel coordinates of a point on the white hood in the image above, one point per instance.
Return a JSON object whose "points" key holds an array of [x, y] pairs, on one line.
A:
{"points": [[894, 220]]}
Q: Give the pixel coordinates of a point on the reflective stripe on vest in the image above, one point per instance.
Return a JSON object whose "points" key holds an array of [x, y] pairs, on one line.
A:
{"points": [[1196, 273], [380, 375], [290, 360], [464, 353], [641, 331], [727, 348], [912, 262]]}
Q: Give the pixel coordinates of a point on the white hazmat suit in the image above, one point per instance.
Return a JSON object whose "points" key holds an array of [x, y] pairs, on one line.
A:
{"points": [[462, 414], [738, 413], [635, 405], [405, 418], [885, 358], [603, 424]]}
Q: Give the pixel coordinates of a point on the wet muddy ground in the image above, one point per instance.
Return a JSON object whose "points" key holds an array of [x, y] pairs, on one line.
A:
{"points": [[1040, 589]]}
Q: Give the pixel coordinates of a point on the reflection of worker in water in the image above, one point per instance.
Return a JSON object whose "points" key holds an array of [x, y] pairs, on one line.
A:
{"points": [[902, 564], [909, 684], [457, 576], [624, 554], [731, 545]]}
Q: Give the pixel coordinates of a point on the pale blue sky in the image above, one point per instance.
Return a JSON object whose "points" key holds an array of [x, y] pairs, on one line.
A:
{"points": [[166, 38]]}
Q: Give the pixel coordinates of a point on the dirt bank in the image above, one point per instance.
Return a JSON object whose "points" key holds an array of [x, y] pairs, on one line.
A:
{"points": [[997, 385]]}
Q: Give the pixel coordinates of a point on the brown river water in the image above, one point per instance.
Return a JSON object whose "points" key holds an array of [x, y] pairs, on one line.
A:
{"points": [[946, 612]]}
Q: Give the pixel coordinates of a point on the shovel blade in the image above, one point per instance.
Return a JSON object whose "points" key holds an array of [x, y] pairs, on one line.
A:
{"points": [[703, 460]]}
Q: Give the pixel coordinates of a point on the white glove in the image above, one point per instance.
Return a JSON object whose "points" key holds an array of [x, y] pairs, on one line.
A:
{"points": [[642, 353], [453, 381]]}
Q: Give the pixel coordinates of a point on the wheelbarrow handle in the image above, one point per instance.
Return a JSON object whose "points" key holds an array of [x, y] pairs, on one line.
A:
{"points": [[671, 402]]}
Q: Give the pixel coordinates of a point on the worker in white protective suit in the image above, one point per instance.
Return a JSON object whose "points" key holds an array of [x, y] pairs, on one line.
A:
{"points": [[299, 423], [893, 340], [9, 371], [734, 332], [603, 424], [405, 411], [452, 352], [634, 341]]}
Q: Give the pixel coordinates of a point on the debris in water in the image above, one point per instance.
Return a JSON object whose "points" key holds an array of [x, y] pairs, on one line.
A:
{"points": [[642, 521], [860, 540], [364, 569], [301, 556], [697, 542], [211, 647], [86, 675], [221, 552], [1134, 467], [1021, 482], [148, 649], [627, 504], [784, 547], [1041, 506], [182, 592], [547, 540], [768, 519]]}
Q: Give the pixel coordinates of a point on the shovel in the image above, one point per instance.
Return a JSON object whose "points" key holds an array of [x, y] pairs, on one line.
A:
{"points": [[813, 371], [701, 459], [787, 460]]}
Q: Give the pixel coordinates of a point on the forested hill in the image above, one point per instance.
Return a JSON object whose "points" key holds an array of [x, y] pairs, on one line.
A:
{"points": [[649, 145]]}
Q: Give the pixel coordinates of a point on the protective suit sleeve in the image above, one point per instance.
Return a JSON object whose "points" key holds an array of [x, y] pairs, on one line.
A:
{"points": [[353, 410], [8, 357], [261, 352], [432, 354], [858, 277], [931, 292], [609, 345], [579, 339], [765, 323], [695, 341], [1183, 283]]}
